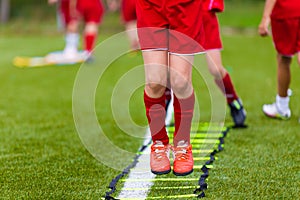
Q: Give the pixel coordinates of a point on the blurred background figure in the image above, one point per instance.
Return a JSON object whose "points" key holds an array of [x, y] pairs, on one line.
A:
{"points": [[213, 46], [128, 17], [284, 17], [72, 12]]}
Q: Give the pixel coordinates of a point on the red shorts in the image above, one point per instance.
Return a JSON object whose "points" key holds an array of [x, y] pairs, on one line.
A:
{"points": [[213, 5], [90, 11], [211, 31], [170, 25], [286, 35], [128, 10]]}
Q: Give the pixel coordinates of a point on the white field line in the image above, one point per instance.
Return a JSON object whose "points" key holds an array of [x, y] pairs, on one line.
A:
{"points": [[136, 173]]}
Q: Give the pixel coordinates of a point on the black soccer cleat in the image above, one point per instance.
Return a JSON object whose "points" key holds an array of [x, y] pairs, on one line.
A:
{"points": [[238, 113]]}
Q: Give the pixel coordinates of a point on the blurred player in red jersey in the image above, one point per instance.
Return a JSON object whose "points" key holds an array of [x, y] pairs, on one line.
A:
{"points": [[128, 12], [284, 16], [213, 45], [72, 12], [128, 17], [169, 39]]}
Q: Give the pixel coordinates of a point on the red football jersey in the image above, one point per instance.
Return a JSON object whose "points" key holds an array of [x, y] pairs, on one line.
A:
{"points": [[89, 10], [286, 9], [128, 10]]}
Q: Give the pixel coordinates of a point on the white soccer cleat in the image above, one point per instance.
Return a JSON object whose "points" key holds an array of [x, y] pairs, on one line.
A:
{"points": [[273, 111]]}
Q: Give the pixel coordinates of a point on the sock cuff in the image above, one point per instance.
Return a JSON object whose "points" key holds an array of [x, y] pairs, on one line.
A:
{"points": [[227, 76], [282, 102], [227, 88], [154, 100], [72, 36], [184, 104], [280, 99]]}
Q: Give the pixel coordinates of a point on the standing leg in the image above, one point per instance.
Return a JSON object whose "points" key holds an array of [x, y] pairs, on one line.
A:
{"points": [[184, 99], [90, 36], [283, 75], [280, 109], [283, 83], [70, 16], [91, 12], [132, 34], [181, 83], [72, 39], [156, 79]]}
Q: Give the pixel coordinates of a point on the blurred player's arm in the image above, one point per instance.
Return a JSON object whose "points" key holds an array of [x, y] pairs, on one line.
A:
{"points": [[265, 21]]}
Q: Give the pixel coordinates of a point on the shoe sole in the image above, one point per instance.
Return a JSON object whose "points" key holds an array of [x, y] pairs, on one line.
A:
{"points": [[276, 116], [183, 174], [237, 126], [161, 173]]}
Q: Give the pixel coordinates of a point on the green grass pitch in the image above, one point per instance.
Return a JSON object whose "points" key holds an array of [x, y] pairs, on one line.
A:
{"points": [[42, 157]]}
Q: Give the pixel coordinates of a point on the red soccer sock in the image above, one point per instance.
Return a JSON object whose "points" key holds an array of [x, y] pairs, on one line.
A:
{"points": [[155, 112], [227, 88], [183, 113], [89, 41]]}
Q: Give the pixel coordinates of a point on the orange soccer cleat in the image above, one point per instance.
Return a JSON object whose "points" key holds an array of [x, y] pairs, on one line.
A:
{"points": [[183, 159], [159, 158]]}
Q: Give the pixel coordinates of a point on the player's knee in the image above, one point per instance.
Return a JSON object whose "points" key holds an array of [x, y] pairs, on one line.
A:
{"points": [[180, 86], [91, 27], [284, 60], [156, 79], [72, 27], [217, 73], [298, 59], [155, 89], [217, 70]]}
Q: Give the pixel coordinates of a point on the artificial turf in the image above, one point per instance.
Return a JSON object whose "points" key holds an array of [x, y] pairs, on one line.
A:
{"points": [[42, 156]]}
